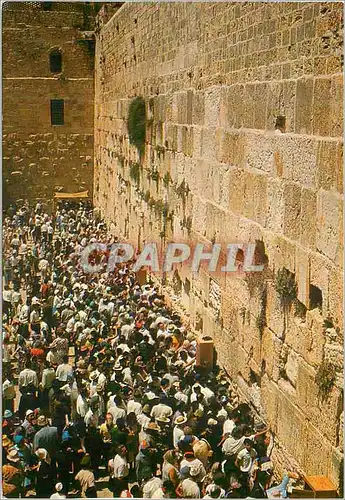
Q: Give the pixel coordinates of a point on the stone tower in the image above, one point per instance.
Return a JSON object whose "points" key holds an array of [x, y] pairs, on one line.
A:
{"points": [[48, 98]]}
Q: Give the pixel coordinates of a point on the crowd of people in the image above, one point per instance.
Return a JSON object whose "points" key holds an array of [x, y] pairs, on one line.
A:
{"points": [[100, 380]]}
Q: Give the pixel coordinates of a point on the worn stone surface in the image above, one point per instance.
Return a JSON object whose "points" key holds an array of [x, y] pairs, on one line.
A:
{"points": [[219, 81]]}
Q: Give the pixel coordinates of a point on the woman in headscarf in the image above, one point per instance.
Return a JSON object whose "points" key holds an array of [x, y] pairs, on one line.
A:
{"points": [[44, 476], [169, 469]]}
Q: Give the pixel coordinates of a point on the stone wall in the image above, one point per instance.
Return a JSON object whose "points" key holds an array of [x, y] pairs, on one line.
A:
{"points": [[39, 158], [243, 144]]}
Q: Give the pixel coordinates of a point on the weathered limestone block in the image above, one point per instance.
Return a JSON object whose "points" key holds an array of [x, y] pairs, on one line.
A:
{"points": [[317, 456], [292, 151], [274, 317], [209, 144], [292, 427], [335, 297], [270, 395], [199, 215], [229, 228], [292, 212], [336, 470], [234, 103], [259, 151], [212, 106], [198, 108], [308, 219], [248, 231], [237, 178], [232, 149], [271, 347], [291, 367], [275, 206], [302, 275], [315, 324], [303, 109], [281, 102], [298, 336], [224, 179], [329, 225], [329, 165], [322, 107], [336, 102]]}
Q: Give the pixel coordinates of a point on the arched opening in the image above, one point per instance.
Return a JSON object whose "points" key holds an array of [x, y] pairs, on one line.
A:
{"points": [[55, 60]]}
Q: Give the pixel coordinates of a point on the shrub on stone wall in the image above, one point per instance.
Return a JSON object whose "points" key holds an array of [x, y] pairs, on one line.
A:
{"points": [[136, 123], [286, 286], [325, 378], [135, 172]]}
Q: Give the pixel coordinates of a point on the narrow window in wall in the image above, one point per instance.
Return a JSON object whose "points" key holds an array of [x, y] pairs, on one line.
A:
{"points": [[57, 112], [55, 60]]}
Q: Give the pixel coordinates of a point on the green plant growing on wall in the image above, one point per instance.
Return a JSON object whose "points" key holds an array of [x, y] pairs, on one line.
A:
{"points": [[286, 286], [134, 172], [136, 124], [328, 323], [166, 179], [159, 207], [325, 379], [183, 190], [261, 320]]}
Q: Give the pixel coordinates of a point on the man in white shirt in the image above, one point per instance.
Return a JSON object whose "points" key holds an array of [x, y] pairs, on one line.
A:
{"points": [[119, 471], [230, 423], [27, 377], [189, 487], [133, 405], [151, 486], [161, 410], [245, 458], [64, 371], [233, 444]]}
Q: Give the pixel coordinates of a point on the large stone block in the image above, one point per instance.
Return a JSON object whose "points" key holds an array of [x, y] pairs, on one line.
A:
{"points": [[212, 106], [336, 102], [292, 211], [329, 225], [237, 179], [308, 219], [198, 107], [302, 275], [329, 165], [281, 102], [304, 109], [294, 151], [292, 427], [234, 102], [275, 206], [322, 107], [323, 414], [317, 455], [336, 296], [260, 152], [271, 347], [209, 145], [232, 148]]}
